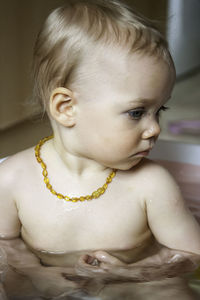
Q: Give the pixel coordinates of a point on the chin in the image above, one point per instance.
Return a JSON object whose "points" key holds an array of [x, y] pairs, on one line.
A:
{"points": [[129, 165]]}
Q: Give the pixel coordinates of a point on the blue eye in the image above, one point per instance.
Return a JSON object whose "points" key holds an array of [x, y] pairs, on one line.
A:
{"points": [[136, 113]]}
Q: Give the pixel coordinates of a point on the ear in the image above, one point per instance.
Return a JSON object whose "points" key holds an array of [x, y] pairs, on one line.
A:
{"points": [[62, 106]]}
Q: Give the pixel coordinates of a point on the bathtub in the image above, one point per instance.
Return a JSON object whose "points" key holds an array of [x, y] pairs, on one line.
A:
{"points": [[2, 159]]}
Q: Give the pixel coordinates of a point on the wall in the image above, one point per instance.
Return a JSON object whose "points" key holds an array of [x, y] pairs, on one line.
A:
{"points": [[184, 34], [19, 23]]}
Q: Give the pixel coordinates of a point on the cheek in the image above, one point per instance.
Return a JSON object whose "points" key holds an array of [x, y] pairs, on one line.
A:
{"points": [[117, 144], [107, 135]]}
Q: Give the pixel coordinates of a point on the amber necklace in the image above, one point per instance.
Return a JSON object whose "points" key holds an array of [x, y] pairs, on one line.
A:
{"points": [[95, 194]]}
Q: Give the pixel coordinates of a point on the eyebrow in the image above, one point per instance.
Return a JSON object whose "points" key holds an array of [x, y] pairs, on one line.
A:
{"points": [[145, 100]]}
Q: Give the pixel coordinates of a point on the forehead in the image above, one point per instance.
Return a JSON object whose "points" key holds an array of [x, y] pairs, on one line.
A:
{"points": [[141, 75]]}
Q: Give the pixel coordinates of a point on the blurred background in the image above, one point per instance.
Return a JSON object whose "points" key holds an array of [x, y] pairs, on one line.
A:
{"points": [[20, 20]]}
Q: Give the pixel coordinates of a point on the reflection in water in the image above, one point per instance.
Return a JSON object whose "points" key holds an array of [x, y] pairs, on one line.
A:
{"points": [[18, 287], [54, 283]]}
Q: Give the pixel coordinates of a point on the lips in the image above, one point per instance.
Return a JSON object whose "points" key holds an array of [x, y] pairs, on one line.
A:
{"points": [[144, 152]]}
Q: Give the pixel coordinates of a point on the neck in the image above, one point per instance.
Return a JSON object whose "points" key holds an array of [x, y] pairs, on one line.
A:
{"points": [[76, 164]]}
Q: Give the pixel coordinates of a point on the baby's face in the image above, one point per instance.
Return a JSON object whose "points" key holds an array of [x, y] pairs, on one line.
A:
{"points": [[120, 100]]}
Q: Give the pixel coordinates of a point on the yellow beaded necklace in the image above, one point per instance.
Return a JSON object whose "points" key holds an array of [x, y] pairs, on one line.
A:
{"points": [[95, 194]]}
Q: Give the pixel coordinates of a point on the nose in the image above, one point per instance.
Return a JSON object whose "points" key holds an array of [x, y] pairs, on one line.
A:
{"points": [[153, 130]]}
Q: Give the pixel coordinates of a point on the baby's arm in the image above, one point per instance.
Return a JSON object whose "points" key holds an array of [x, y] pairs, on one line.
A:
{"points": [[174, 228], [172, 225], [19, 261], [10, 226]]}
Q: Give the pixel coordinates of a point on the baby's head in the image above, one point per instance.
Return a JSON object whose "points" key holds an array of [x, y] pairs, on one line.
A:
{"points": [[102, 72]]}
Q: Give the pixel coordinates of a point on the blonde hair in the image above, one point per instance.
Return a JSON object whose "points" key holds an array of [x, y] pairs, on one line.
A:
{"points": [[70, 30]]}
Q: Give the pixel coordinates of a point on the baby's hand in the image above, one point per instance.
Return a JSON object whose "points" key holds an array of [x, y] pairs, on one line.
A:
{"points": [[101, 266]]}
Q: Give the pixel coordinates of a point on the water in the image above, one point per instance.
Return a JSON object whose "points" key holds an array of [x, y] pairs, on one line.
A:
{"points": [[184, 288]]}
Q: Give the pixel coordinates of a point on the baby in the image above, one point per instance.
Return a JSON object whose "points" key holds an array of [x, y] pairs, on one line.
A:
{"points": [[86, 201]]}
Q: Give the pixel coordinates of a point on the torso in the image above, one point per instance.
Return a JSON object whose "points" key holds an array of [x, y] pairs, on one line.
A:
{"points": [[58, 232]]}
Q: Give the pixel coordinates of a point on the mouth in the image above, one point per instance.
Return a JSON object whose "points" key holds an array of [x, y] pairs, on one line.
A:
{"points": [[143, 153]]}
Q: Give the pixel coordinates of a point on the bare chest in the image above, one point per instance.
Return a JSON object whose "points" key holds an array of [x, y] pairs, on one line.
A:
{"points": [[52, 226]]}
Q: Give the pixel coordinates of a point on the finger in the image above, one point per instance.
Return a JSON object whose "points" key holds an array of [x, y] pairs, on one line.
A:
{"points": [[86, 259], [105, 257], [89, 268], [83, 259], [86, 270], [74, 278]]}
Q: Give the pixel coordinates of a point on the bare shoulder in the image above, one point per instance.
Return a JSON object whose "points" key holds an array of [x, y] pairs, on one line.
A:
{"points": [[152, 179], [13, 167], [154, 170], [160, 186], [169, 218], [14, 172], [147, 169], [159, 176]]}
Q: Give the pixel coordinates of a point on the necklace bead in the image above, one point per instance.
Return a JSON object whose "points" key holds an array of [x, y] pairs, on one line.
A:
{"points": [[96, 194]]}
